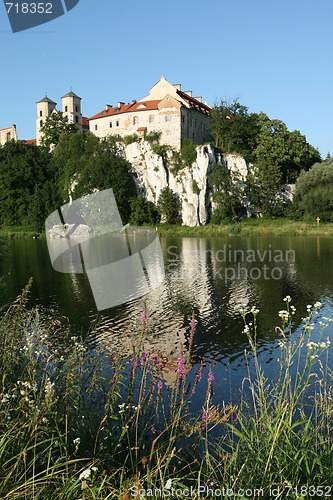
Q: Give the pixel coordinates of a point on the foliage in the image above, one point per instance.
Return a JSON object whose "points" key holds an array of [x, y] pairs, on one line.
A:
{"points": [[129, 139], [55, 125], [143, 212], [185, 158], [85, 163], [227, 192], [286, 151], [28, 192], [314, 191], [152, 137], [78, 423], [195, 187], [234, 129], [262, 189], [169, 206]]}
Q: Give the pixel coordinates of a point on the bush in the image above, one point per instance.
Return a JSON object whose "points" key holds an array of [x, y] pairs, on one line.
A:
{"points": [[169, 206], [143, 212], [314, 191]]}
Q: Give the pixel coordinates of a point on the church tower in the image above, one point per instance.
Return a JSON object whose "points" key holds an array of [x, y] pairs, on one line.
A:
{"points": [[44, 109], [71, 107]]}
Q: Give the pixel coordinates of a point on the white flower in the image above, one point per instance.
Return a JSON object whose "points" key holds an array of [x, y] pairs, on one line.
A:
{"points": [[168, 484], [317, 305], [287, 298], [44, 420], [284, 315], [254, 310], [77, 441], [85, 474]]}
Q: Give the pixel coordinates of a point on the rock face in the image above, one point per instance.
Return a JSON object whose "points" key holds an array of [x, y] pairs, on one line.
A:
{"points": [[152, 173]]}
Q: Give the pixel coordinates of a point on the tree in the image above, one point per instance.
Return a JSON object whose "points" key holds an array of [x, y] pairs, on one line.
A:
{"points": [[85, 163], [27, 190], [263, 185], [143, 212], [314, 191], [288, 151], [55, 125], [227, 193], [234, 129], [169, 206]]}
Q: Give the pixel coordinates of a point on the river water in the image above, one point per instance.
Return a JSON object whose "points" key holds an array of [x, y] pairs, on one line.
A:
{"points": [[207, 277]]}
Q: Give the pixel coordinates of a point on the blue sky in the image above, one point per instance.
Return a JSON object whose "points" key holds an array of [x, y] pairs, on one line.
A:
{"points": [[274, 57]]}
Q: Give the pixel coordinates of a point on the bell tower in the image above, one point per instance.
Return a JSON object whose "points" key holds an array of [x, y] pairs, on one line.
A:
{"points": [[71, 107], [44, 109]]}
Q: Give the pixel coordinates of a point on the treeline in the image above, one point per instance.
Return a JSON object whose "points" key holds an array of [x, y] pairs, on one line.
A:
{"points": [[35, 182]]}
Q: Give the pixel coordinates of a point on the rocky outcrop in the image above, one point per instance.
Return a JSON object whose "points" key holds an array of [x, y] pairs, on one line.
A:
{"points": [[152, 173]]}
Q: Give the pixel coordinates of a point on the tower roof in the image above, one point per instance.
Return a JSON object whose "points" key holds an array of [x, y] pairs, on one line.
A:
{"points": [[46, 99], [71, 94]]}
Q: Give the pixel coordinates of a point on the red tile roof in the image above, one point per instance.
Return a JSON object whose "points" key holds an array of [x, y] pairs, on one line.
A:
{"points": [[141, 129], [137, 106], [31, 141], [199, 106], [85, 121]]}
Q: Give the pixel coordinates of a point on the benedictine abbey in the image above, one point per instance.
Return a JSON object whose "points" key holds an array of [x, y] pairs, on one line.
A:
{"points": [[174, 113]]}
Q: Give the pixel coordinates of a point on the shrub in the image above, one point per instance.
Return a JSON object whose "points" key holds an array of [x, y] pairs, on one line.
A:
{"points": [[169, 206]]}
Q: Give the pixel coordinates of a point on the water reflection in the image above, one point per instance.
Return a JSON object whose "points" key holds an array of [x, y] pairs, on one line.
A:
{"points": [[210, 276]]}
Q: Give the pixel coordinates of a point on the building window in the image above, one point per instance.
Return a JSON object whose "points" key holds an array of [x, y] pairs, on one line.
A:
{"points": [[41, 113], [76, 109], [96, 127], [135, 120], [41, 123], [66, 109], [117, 123], [195, 123], [77, 119], [8, 136], [167, 118], [110, 124], [151, 119]]}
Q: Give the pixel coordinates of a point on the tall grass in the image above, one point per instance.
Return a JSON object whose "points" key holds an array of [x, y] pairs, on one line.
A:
{"points": [[80, 424]]}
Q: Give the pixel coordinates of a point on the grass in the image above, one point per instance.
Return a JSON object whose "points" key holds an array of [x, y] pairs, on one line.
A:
{"points": [[251, 227], [247, 227], [79, 424]]}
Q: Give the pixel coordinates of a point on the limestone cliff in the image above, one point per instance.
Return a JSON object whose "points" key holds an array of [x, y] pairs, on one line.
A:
{"points": [[152, 173]]}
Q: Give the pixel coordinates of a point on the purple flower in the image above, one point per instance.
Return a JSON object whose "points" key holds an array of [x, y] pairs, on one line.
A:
{"points": [[199, 374], [160, 383], [144, 318], [187, 389], [193, 324], [134, 364], [157, 364], [143, 358], [153, 430], [204, 415], [210, 378], [181, 366]]}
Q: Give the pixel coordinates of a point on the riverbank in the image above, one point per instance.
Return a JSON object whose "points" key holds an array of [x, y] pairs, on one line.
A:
{"points": [[247, 227], [251, 227], [123, 433]]}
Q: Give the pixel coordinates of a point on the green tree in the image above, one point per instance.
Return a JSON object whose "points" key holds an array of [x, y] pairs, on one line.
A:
{"points": [[143, 212], [263, 185], [85, 163], [314, 191], [169, 206], [287, 151], [234, 129], [26, 182], [55, 125], [227, 194]]}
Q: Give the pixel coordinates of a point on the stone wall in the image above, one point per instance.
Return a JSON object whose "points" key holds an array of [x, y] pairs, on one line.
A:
{"points": [[7, 134]]}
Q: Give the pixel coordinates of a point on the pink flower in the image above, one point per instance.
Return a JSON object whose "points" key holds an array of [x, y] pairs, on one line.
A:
{"points": [[144, 318]]}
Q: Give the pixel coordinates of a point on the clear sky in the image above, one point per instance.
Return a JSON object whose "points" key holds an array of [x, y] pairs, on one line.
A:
{"points": [[275, 57]]}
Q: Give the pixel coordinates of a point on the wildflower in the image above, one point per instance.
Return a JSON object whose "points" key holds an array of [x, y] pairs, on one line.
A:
{"points": [[160, 383], [49, 387], [199, 374], [77, 441], [181, 367], [284, 315], [134, 364], [153, 430], [157, 364], [314, 356], [168, 484], [121, 406], [45, 420], [254, 311], [85, 474], [317, 305], [287, 298], [187, 389], [144, 318], [293, 309], [210, 377], [144, 358]]}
